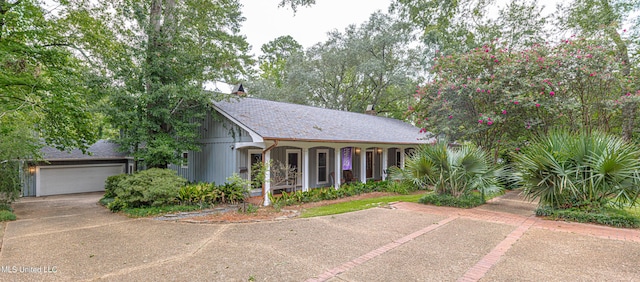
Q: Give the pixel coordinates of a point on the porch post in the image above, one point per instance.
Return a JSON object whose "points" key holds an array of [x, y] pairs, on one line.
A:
{"points": [[337, 170], [363, 165], [305, 169], [385, 161], [402, 157], [267, 178]]}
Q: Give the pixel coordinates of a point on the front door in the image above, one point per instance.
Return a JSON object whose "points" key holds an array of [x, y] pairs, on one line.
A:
{"points": [[293, 162], [369, 164]]}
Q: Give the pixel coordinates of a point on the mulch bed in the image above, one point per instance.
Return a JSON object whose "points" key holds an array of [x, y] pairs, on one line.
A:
{"points": [[269, 213]]}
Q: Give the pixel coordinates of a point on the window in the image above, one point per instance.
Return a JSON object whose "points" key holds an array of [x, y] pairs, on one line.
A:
{"points": [[323, 170], [185, 160]]}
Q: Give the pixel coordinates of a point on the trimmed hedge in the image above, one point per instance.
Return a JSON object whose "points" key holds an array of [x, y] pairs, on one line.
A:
{"points": [[465, 201], [604, 216]]}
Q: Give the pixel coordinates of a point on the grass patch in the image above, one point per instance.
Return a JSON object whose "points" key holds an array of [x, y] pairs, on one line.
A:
{"points": [[358, 205], [6, 215], [149, 211]]}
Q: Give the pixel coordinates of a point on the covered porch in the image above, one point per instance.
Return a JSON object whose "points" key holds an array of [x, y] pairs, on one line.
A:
{"points": [[300, 166]]}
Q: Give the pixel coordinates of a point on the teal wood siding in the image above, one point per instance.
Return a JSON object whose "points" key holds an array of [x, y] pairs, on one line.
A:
{"points": [[218, 159]]}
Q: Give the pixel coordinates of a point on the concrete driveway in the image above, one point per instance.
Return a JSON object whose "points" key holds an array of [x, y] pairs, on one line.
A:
{"points": [[70, 238]]}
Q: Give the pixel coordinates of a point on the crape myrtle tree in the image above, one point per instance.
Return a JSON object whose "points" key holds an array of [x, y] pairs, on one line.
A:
{"points": [[499, 98], [166, 51], [608, 19]]}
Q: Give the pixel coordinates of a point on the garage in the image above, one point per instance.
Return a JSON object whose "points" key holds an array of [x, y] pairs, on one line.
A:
{"points": [[68, 172], [54, 180]]}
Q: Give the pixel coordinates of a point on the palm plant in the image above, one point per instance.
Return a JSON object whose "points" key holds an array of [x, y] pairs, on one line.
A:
{"points": [[565, 170], [453, 171]]}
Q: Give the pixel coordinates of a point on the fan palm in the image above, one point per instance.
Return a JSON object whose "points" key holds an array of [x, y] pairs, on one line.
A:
{"points": [[565, 170], [452, 171]]}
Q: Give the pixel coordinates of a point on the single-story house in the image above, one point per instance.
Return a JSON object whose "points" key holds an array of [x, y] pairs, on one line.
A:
{"points": [[64, 172], [319, 147]]}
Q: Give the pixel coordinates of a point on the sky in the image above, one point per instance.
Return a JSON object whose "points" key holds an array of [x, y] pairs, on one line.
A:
{"points": [[265, 21]]}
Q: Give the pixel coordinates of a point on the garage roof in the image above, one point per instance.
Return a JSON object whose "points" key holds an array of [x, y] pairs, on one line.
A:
{"points": [[103, 149]]}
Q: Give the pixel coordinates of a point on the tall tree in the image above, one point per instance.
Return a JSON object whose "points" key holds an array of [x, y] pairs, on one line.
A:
{"points": [[167, 50], [48, 90], [274, 58], [450, 27], [606, 17], [374, 63]]}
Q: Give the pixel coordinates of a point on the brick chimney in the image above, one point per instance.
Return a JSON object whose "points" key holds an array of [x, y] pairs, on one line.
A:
{"points": [[371, 110]]}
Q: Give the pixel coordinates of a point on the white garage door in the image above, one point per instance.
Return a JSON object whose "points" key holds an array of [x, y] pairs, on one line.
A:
{"points": [[55, 180]]}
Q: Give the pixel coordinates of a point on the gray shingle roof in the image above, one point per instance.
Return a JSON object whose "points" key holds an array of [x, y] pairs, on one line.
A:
{"points": [[284, 121], [103, 149]]}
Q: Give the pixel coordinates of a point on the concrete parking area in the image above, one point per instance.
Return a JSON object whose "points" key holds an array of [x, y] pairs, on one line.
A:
{"points": [[71, 238]]}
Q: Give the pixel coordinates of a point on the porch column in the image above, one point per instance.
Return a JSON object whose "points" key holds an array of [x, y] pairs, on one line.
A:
{"points": [[385, 162], [267, 178], [402, 157], [363, 165], [337, 170], [305, 169]]}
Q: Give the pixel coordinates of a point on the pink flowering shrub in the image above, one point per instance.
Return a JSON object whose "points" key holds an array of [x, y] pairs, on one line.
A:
{"points": [[492, 93]]}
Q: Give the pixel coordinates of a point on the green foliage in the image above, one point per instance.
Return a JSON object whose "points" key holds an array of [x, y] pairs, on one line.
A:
{"points": [[249, 209], [347, 190], [44, 87], [234, 191], [158, 210], [501, 98], [9, 182], [6, 207], [166, 51], [373, 63], [152, 187], [456, 171], [111, 183], [7, 215], [603, 215], [568, 170], [465, 201]]}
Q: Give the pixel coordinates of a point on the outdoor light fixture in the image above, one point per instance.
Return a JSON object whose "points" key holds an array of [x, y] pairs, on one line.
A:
{"points": [[357, 150], [32, 169], [379, 150]]}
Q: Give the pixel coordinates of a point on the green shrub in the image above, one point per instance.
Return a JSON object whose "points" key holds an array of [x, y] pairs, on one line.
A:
{"points": [[202, 194], [111, 183], [329, 193], [6, 207], [605, 216], [235, 190], [566, 170], [7, 215], [9, 182], [152, 187], [466, 201]]}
